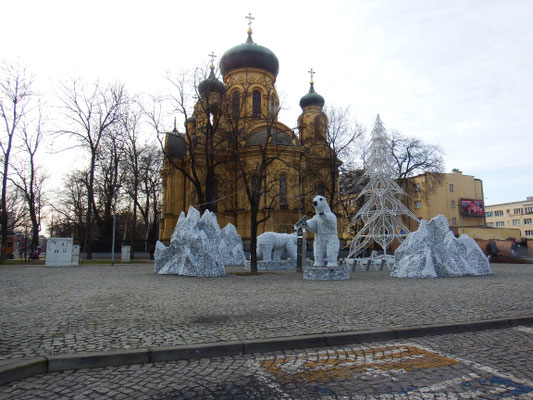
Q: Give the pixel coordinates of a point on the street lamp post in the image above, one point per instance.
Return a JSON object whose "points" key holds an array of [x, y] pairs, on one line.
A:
{"points": [[114, 228]]}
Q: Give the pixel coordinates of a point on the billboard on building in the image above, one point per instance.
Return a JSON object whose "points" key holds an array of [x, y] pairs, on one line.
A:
{"points": [[472, 208]]}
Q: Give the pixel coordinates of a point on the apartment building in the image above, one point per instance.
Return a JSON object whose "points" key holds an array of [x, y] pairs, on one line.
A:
{"points": [[456, 196], [517, 214]]}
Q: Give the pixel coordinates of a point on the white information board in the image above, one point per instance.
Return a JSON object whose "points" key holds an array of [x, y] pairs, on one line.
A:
{"points": [[125, 253], [76, 254], [58, 252]]}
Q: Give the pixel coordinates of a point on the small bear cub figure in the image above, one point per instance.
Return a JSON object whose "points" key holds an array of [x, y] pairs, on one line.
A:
{"points": [[324, 226]]}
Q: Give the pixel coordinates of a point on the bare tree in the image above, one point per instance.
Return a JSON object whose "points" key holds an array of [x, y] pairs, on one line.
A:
{"points": [[29, 178], [334, 152], [201, 135], [149, 201], [132, 157], [93, 112], [142, 180], [15, 98], [256, 174], [70, 210], [108, 182], [412, 157]]}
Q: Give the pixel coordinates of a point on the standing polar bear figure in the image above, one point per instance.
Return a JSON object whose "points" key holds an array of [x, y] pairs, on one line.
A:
{"points": [[279, 242], [324, 226]]}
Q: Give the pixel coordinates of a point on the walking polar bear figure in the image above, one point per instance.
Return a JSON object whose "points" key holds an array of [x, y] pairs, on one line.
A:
{"points": [[277, 242], [324, 226]]}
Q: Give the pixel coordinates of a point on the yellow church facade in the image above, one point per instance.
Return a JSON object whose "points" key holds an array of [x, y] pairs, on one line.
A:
{"points": [[234, 147]]}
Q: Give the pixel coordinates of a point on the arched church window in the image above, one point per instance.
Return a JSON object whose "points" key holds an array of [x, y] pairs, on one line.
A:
{"points": [[272, 106], [235, 104], [283, 191], [256, 104], [321, 189]]}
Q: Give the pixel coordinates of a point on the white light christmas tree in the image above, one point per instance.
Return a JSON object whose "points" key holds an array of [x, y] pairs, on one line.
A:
{"points": [[382, 209]]}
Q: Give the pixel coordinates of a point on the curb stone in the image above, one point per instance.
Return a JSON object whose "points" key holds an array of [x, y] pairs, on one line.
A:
{"points": [[283, 343], [21, 369], [187, 352], [62, 362], [483, 325], [11, 370], [341, 338]]}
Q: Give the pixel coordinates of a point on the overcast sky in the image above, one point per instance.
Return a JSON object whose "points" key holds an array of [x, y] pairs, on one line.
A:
{"points": [[454, 73]]}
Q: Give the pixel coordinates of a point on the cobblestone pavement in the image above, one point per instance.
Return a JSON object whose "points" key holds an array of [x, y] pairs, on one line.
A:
{"points": [[477, 365], [45, 311]]}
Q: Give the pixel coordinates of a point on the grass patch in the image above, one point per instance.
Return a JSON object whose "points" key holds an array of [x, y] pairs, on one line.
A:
{"points": [[23, 262]]}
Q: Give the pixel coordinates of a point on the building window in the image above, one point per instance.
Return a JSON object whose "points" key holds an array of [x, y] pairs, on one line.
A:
{"points": [[451, 187], [527, 221], [417, 187], [488, 214], [454, 221], [518, 210], [498, 213], [256, 104], [452, 204], [529, 210], [272, 106], [418, 204], [283, 191], [500, 224], [516, 222], [235, 104], [490, 224], [529, 233]]}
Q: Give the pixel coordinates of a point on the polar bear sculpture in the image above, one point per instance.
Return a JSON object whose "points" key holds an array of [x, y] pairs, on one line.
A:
{"points": [[324, 226], [277, 242]]}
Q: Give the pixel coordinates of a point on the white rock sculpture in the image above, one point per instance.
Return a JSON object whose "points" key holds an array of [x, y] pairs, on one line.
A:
{"points": [[324, 226], [231, 246], [433, 251], [198, 247], [161, 256], [279, 243]]}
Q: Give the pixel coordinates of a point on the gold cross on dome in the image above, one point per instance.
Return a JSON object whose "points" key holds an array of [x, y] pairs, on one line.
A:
{"points": [[249, 18], [311, 72], [212, 55]]}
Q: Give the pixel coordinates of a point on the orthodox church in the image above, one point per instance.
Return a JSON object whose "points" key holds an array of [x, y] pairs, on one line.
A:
{"points": [[234, 148]]}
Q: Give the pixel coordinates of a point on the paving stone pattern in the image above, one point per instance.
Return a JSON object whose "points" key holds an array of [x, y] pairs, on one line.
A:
{"points": [[476, 365], [45, 311]]}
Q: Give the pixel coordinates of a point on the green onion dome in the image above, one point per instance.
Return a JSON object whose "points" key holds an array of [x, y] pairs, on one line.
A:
{"points": [[211, 85], [312, 98], [249, 55], [176, 146]]}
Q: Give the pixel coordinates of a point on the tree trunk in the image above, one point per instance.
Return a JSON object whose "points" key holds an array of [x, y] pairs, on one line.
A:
{"points": [[134, 222], [3, 206], [89, 234], [253, 240]]}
